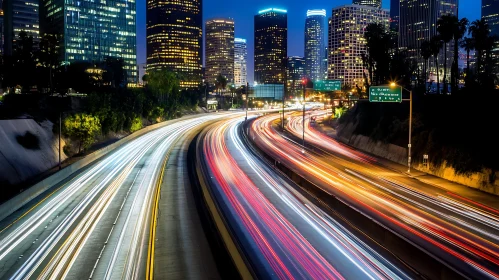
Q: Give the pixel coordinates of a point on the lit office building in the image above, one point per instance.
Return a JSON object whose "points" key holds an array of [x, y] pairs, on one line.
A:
{"points": [[372, 3], [240, 62], [93, 31], [219, 50], [315, 28], [295, 72], [490, 13], [174, 38], [347, 43], [20, 15], [418, 22], [271, 46]]}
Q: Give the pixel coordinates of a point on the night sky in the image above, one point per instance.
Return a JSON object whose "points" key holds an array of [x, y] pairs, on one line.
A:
{"points": [[243, 11]]}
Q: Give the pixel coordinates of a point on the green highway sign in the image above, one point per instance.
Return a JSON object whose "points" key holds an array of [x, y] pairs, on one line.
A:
{"points": [[385, 94], [327, 85]]}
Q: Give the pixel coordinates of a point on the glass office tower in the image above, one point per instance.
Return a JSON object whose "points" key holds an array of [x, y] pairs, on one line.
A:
{"points": [[20, 15], [271, 46], [219, 50], [315, 28], [93, 30], [174, 38]]}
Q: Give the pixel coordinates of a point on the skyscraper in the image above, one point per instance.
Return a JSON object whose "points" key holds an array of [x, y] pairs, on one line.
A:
{"points": [[271, 46], [347, 43], [490, 13], [394, 15], [174, 38], [295, 72], [240, 62], [315, 28], [20, 15], [93, 31], [372, 3], [219, 50], [418, 22]]}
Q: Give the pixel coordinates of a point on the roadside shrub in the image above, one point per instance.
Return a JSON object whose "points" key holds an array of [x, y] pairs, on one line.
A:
{"points": [[136, 125]]}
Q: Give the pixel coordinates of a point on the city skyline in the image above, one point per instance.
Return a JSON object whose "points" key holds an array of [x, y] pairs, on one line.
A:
{"points": [[243, 14]]}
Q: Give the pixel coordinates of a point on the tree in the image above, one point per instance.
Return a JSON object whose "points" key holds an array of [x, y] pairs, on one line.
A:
{"points": [[165, 85], [221, 82], [114, 72], [468, 44], [445, 27], [21, 66], [379, 44], [82, 127], [480, 31], [459, 31], [49, 56], [426, 53], [436, 45]]}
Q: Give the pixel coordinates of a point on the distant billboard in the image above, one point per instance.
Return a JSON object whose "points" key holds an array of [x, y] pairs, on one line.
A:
{"points": [[273, 91]]}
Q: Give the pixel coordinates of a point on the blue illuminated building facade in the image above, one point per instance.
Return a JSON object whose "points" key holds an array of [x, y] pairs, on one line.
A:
{"points": [[315, 29], [93, 30]]}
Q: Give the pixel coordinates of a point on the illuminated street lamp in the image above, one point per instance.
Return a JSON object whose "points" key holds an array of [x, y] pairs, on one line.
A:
{"points": [[410, 125]]}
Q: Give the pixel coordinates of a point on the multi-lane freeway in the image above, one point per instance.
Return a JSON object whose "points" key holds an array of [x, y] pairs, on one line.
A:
{"points": [[457, 231], [131, 214], [281, 232], [99, 224]]}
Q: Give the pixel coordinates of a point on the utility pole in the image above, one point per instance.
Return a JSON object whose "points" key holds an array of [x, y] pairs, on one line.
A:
{"points": [[60, 131], [409, 158], [303, 124], [247, 97], [283, 94]]}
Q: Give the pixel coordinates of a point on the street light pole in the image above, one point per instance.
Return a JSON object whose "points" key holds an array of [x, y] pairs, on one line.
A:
{"points": [[283, 95], [409, 155], [247, 97], [60, 131], [303, 122], [409, 145]]}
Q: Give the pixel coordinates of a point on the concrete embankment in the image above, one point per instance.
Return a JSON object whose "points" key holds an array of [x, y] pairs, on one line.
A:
{"points": [[15, 203], [485, 180]]}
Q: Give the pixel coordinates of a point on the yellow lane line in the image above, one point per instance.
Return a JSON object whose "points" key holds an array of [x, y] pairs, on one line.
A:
{"points": [[152, 230], [224, 232]]}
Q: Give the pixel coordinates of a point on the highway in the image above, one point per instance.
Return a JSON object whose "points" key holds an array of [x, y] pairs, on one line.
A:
{"points": [[100, 223], [280, 232], [460, 232]]}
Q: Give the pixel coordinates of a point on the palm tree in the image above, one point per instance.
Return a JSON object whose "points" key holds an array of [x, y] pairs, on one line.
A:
{"points": [[459, 32], [426, 53], [445, 27], [220, 83], [480, 31], [436, 45], [468, 44]]}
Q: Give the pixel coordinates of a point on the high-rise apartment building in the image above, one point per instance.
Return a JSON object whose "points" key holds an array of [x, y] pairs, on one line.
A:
{"points": [[315, 30], [219, 50], [347, 43], [418, 22], [295, 72], [174, 38], [93, 31], [240, 62], [490, 13], [394, 15], [271, 46], [20, 15], [372, 3]]}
